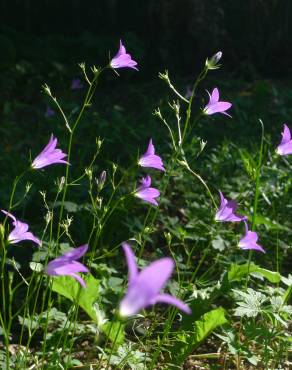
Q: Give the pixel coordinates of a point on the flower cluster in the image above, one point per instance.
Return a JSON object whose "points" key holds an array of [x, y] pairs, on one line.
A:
{"points": [[227, 213]]}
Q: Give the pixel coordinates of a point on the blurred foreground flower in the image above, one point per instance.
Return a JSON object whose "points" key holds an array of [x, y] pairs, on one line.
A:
{"points": [[76, 84], [122, 59], [144, 287], [49, 112], [146, 193], [67, 264], [285, 147], [20, 233], [216, 106], [226, 211], [50, 155], [150, 159], [249, 241]]}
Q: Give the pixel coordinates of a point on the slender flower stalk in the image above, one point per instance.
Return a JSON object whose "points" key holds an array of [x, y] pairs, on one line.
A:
{"points": [[49, 155], [146, 193], [144, 287], [216, 106], [67, 264], [20, 231], [285, 147], [150, 159], [122, 59], [249, 241], [226, 211]]}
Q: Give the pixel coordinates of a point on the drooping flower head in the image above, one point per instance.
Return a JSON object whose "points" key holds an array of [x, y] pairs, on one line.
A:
{"points": [[49, 155], [189, 92], [67, 264], [285, 147], [20, 231], [249, 241], [144, 287], [150, 159], [49, 112], [216, 106], [226, 211], [76, 84], [122, 59], [146, 193]]}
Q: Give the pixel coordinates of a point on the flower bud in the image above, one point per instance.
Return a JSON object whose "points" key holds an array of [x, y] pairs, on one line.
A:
{"points": [[101, 180], [212, 63]]}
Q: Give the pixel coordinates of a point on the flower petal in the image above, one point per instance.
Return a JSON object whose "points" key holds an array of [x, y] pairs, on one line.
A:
{"points": [[131, 262], [169, 299]]}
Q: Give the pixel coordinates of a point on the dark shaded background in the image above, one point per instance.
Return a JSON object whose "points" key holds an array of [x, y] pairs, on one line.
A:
{"points": [[255, 35]]}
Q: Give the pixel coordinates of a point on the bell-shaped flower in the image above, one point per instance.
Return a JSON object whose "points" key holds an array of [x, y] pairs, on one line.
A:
{"points": [[20, 231], [146, 193], [49, 155], [76, 84], [67, 264], [216, 106], [226, 211], [249, 241], [122, 59], [285, 147], [144, 288], [150, 159]]}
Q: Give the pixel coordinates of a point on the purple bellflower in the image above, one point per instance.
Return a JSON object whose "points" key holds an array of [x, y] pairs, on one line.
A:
{"points": [[122, 59], [150, 159], [20, 231], [67, 264], [76, 84], [249, 241], [226, 211], [49, 112], [216, 106], [144, 287], [146, 193], [49, 155], [285, 147]]}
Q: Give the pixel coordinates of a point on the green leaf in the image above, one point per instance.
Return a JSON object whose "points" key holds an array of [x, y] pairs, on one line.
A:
{"points": [[85, 297], [237, 272], [200, 331], [271, 225]]}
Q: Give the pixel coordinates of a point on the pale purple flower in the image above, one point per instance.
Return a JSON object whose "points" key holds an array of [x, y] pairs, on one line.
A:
{"points": [[49, 112], [67, 264], [122, 59], [150, 159], [144, 287], [216, 106], [285, 147], [249, 241], [76, 84], [49, 155], [146, 193], [226, 211], [20, 231]]}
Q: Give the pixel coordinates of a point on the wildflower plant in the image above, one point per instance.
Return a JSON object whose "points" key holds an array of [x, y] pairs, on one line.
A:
{"points": [[188, 236]]}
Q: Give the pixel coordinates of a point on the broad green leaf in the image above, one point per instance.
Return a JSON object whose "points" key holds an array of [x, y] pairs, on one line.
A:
{"points": [[115, 331], [200, 330], [85, 297], [272, 225], [237, 272]]}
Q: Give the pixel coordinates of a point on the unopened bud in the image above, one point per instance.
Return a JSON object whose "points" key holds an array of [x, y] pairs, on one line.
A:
{"points": [[101, 180], [212, 63]]}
